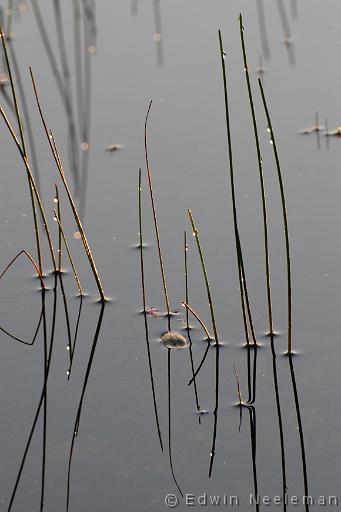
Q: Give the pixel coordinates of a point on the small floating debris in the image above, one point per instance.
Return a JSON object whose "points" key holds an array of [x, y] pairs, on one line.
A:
{"points": [[172, 339], [114, 147], [152, 312]]}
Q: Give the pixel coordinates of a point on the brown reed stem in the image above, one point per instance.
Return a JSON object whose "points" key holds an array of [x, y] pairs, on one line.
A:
{"points": [[67, 247], [150, 183], [23, 149], [27, 254], [33, 185], [55, 152], [195, 314], [59, 220]]}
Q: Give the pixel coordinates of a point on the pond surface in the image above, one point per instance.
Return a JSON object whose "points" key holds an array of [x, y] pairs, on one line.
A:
{"points": [[97, 65]]}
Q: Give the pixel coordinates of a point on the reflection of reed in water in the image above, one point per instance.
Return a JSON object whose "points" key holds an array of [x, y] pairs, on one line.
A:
{"points": [[280, 421], [145, 313], [216, 337], [63, 54], [284, 215], [42, 400], [170, 422], [287, 32], [158, 35], [158, 32], [80, 404], [187, 322], [294, 9], [134, 7], [300, 429], [263, 29], [84, 48], [252, 415], [84, 106], [253, 436]]}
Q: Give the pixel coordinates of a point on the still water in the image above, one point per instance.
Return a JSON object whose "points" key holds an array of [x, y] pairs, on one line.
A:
{"points": [[97, 65]]}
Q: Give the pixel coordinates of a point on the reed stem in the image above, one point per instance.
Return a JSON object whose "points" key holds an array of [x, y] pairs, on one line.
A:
{"points": [[195, 314], [33, 185], [156, 227], [60, 236], [145, 313], [239, 254], [55, 153], [203, 266], [217, 344], [284, 213], [23, 149], [67, 247], [261, 178], [187, 322]]}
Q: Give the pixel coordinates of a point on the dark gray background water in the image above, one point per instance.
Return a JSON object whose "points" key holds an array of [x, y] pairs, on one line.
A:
{"points": [[117, 463]]}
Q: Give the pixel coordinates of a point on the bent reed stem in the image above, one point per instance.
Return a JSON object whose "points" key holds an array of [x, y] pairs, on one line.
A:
{"points": [[261, 178], [239, 254], [284, 213], [23, 150], [156, 227], [53, 146], [67, 247]]}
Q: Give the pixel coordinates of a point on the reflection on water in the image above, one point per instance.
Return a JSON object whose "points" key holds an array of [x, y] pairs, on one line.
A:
{"points": [[106, 417], [84, 48], [158, 35], [263, 29]]}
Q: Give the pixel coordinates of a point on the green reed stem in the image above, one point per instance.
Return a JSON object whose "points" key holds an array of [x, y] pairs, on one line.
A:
{"points": [[217, 344], [241, 269], [261, 179], [285, 217]]}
